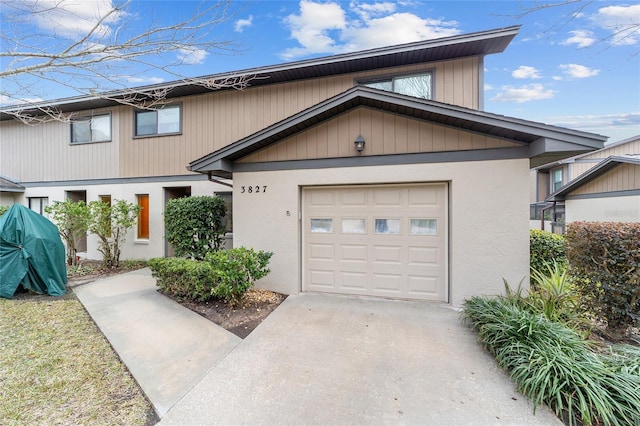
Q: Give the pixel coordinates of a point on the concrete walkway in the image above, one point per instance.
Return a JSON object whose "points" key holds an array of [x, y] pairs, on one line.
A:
{"points": [[167, 347], [316, 360]]}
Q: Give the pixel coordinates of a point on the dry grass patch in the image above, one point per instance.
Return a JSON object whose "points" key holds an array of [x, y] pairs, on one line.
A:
{"points": [[57, 368]]}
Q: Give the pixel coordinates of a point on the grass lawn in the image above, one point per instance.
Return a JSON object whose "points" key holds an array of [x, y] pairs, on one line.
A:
{"points": [[57, 368]]}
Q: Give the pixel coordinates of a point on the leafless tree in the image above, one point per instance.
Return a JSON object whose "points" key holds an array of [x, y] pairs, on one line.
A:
{"points": [[93, 48]]}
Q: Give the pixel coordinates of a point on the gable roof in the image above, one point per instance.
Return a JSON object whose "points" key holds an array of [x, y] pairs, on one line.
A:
{"points": [[596, 171], [543, 140], [7, 185], [458, 46]]}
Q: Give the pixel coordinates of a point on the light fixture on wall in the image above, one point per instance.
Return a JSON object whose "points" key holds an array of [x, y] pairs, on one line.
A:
{"points": [[359, 143]]}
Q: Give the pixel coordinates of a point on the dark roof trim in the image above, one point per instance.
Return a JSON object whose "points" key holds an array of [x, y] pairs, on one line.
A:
{"points": [[598, 170], [576, 158], [458, 46], [8, 185], [541, 138]]}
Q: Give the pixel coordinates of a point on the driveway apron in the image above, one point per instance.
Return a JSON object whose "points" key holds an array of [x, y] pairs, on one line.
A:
{"points": [[333, 360]]}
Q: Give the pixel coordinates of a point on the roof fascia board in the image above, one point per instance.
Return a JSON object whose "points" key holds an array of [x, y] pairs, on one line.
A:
{"points": [[597, 170], [508, 32]]}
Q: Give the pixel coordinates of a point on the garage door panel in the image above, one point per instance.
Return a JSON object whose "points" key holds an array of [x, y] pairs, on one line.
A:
{"points": [[378, 240], [423, 256]]}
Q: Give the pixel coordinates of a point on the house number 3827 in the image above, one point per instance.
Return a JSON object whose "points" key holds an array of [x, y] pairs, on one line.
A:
{"points": [[253, 189]]}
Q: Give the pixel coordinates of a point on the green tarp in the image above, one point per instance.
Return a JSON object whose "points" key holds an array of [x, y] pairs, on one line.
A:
{"points": [[31, 254]]}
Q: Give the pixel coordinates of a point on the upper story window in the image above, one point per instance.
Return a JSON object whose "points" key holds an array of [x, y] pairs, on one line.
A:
{"points": [[418, 85], [556, 180], [164, 121], [95, 128]]}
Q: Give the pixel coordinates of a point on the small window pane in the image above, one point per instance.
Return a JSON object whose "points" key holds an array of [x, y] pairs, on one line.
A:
{"points": [[101, 128], [169, 120], [382, 85], [146, 123], [424, 227], [353, 226], [321, 225], [387, 226], [81, 131], [415, 85]]}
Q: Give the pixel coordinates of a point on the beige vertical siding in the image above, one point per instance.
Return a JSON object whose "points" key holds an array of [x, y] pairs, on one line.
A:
{"points": [[43, 153], [621, 178], [215, 120], [384, 133], [586, 162]]}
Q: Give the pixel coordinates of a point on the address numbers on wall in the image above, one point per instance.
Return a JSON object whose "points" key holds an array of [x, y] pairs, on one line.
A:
{"points": [[257, 189]]}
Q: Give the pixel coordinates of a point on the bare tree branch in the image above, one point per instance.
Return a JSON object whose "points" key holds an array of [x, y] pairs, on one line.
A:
{"points": [[94, 54]]}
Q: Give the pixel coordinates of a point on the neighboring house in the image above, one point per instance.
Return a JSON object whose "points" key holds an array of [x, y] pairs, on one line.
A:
{"points": [[557, 177], [370, 173]]}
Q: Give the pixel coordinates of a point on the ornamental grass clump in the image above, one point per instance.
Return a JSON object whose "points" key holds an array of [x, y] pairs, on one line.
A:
{"points": [[553, 365]]}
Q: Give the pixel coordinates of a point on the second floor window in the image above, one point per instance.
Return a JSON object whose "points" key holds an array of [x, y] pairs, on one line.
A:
{"points": [[418, 85], [96, 128], [159, 122], [556, 180]]}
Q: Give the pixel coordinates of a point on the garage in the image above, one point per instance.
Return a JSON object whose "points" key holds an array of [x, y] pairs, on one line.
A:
{"points": [[376, 240]]}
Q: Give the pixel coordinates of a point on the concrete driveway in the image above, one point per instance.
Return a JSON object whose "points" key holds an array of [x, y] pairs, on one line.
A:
{"points": [[332, 360]]}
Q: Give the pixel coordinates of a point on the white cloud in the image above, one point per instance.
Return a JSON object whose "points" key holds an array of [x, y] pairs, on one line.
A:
{"points": [[328, 28], [578, 71], [622, 21], [192, 56], [10, 100], [143, 80], [529, 92], [581, 38], [599, 123], [525, 71], [71, 19], [241, 24]]}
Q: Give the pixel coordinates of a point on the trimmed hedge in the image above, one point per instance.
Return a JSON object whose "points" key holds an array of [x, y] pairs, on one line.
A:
{"points": [[225, 274], [545, 248], [604, 257]]}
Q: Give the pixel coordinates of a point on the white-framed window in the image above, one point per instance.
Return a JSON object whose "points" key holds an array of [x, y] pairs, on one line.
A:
{"points": [[166, 120], [387, 226], [423, 226], [321, 225], [38, 204], [418, 85], [94, 128], [556, 180]]}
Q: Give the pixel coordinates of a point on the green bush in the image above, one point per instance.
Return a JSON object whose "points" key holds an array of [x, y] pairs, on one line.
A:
{"points": [[184, 278], [3, 209], [194, 225], [604, 259], [553, 365], [225, 274], [237, 270], [545, 248]]}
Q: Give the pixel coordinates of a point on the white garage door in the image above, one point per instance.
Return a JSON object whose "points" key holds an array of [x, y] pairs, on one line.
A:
{"points": [[387, 240]]}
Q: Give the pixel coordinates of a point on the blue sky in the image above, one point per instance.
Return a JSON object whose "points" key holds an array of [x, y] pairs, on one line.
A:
{"points": [[575, 65]]}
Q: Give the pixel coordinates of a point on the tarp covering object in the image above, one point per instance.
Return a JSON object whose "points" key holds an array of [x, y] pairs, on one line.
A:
{"points": [[31, 254]]}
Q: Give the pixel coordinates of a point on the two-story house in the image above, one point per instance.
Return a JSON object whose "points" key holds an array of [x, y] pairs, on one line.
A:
{"points": [[370, 173], [603, 185]]}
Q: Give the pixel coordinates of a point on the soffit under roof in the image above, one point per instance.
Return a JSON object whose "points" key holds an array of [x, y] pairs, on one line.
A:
{"points": [[459, 46]]}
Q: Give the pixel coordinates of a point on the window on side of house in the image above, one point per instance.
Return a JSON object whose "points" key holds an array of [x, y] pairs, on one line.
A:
{"points": [[556, 180], [418, 85], [38, 204], [164, 121], [143, 216], [228, 218], [95, 128]]}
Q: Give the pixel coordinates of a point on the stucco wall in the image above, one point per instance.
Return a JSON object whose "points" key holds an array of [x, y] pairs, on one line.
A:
{"points": [[608, 209], [489, 218], [133, 248]]}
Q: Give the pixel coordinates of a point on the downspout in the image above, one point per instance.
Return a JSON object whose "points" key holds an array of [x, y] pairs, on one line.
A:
{"points": [[542, 213], [211, 179]]}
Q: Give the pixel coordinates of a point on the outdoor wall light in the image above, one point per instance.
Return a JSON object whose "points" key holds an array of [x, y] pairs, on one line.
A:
{"points": [[359, 143]]}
